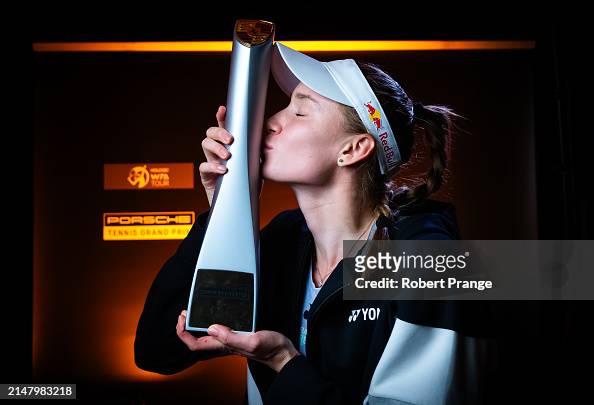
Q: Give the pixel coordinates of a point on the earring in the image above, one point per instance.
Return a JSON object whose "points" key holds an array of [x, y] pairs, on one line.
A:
{"points": [[340, 162]]}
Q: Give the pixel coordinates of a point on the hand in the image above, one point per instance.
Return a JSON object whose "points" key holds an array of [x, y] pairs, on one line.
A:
{"points": [[216, 153], [271, 348], [194, 343]]}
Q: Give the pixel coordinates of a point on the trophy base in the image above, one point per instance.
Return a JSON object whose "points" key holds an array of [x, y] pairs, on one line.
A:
{"points": [[224, 297]]}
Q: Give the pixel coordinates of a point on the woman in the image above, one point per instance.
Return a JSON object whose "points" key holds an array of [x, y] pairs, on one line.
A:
{"points": [[340, 142]]}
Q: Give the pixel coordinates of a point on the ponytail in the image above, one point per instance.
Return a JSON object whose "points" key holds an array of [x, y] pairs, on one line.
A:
{"points": [[436, 124]]}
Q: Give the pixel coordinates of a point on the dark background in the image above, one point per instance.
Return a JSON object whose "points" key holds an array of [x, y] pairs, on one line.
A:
{"points": [[543, 343]]}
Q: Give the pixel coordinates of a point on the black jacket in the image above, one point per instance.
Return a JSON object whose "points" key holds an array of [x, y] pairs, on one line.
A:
{"points": [[412, 352]]}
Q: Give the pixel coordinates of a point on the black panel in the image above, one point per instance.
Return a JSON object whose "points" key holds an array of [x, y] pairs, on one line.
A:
{"points": [[223, 297]]}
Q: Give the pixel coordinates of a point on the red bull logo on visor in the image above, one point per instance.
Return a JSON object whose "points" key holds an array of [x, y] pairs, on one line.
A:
{"points": [[388, 144], [388, 150], [374, 115]]}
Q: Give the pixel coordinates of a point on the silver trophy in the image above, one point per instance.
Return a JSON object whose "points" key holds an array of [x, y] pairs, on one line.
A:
{"points": [[224, 288]]}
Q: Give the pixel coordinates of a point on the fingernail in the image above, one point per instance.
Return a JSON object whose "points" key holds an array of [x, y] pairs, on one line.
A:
{"points": [[213, 331]]}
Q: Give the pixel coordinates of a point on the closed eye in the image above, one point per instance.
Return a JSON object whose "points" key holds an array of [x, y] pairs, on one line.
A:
{"points": [[300, 115]]}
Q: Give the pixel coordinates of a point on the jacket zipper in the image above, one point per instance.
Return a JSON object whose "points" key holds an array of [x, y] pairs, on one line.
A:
{"points": [[310, 321], [299, 303]]}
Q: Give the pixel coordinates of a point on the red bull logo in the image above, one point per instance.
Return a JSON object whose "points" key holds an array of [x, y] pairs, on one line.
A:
{"points": [[374, 115], [388, 150]]}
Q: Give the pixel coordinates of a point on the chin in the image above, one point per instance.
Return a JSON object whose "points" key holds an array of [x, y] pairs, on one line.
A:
{"points": [[269, 172], [288, 174]]}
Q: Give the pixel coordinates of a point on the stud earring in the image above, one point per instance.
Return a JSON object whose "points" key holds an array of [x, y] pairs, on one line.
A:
{"points": [[340, 162]]}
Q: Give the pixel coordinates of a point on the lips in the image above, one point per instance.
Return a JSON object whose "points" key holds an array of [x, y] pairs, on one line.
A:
{"points": [[267, 147]]}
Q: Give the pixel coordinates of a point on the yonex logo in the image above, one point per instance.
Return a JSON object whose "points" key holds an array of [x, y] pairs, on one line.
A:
{"points": [[369, 314]]}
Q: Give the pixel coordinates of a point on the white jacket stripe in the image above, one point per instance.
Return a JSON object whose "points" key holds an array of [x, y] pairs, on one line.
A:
{"points": [[428, 365]]}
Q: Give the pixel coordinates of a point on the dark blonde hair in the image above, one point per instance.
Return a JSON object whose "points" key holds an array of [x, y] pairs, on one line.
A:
{"points": [[381, 193]]}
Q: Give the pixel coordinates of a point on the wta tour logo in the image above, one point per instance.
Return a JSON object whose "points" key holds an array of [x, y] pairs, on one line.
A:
{"points": [[148, 176], [139, 177]]}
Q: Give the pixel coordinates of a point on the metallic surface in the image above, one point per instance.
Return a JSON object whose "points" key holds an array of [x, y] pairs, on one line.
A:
{"points": [[231, 242]]}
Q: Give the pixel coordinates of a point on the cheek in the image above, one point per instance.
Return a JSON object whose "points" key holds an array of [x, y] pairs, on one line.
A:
{"points": [[302, 155], [309, 147]]}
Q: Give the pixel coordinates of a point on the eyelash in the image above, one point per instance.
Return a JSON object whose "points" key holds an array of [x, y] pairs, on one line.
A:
{"points": [[300, 115]]}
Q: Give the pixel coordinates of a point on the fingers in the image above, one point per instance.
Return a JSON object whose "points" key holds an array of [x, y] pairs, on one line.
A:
{"points": [[219, 134], [216, 154], [194, 343], [214, 150], [271, 348], [211, 168], [221, 112], [244, 344]]}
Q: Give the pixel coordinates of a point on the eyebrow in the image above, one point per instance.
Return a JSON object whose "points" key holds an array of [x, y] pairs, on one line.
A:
{"points": [[302, 96]]}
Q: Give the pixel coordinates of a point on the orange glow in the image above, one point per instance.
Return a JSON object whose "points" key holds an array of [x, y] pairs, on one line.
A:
{"points": [[303, 46], [123, 362]]}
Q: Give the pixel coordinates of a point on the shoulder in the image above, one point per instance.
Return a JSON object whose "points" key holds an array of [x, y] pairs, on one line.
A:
{"points": [[468, 317], [288, 222], [429, 219]]}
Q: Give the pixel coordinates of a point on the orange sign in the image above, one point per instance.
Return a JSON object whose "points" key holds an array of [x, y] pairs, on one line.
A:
{"points": [[147, 225], [148, 176]]}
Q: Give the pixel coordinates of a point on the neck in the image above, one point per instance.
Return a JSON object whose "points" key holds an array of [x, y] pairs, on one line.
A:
{"points": [[333, 214]]}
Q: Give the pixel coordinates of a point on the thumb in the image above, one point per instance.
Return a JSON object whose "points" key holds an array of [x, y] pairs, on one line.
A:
{"points": [[225, 335]]}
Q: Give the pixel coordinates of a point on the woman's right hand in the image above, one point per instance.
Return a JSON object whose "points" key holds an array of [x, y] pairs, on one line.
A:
{"points": [[216, 153]]}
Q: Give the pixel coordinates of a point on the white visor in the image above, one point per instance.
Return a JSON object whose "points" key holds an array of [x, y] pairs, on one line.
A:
{"points": [[343, 82]]}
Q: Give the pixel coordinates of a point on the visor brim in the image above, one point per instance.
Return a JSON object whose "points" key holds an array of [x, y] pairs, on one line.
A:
{"points": [[290, 67]]}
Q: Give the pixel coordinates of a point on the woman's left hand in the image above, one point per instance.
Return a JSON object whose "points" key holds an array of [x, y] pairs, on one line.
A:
{"points": [[271, 348]]}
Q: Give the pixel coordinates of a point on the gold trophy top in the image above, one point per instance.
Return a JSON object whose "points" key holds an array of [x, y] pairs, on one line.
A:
{"points": [[253, 32]]}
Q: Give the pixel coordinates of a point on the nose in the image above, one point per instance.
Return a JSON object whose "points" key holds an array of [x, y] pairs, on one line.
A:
{"points": [[272, 127]]}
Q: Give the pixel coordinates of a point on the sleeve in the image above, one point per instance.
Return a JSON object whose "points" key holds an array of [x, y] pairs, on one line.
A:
{"points": [[419, 365], [444, 352], [428, 365], [157, 347], [430, 226], [299, 382]]}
